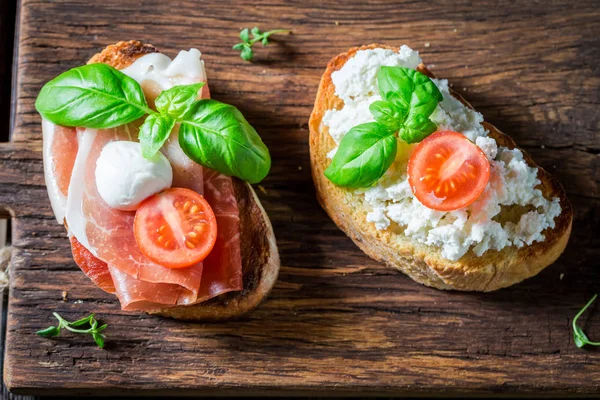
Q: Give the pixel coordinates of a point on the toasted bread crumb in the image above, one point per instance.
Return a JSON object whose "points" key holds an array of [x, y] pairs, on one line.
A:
{"points": [[65, 296]]}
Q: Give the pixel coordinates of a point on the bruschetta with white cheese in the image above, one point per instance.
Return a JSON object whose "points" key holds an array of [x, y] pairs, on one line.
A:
{"points": [[417, 179]]}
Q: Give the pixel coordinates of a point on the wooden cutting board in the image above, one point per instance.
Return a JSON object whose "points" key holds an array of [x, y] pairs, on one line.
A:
{"points": [[336, 322]]}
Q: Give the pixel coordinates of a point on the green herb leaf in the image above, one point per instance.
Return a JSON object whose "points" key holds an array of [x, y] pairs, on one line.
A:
{"points": [[218, 136], [50, 331], [93, 329], [579, 337], [154, 132], [416, 128], [245, 47], [364, 154], [410, 88], [82, 321], [244, 35], [175, 102], [390, 115], [92, 96], [247, 53], [99, 339], [414, 92]]}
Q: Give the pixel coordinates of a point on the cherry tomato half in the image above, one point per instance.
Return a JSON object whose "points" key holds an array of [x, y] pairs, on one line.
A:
{"points": [[175, 228], [447, 171]]}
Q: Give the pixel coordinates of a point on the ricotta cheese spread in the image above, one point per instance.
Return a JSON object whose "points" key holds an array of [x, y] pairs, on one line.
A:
{"points": [[125, 178], [477, 226]]}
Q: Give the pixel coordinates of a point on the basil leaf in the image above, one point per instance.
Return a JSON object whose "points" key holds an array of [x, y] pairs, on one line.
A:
{"points": [[414, 92], [175, 102], [92, 96], [154, 132], [410, 88], [218, 136], [390, 115], [51, 331], [416, 128], [364, 154]]}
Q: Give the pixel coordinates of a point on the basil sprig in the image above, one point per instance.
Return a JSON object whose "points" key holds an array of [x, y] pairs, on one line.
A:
{"points": [[211, 133], [368, 150]]}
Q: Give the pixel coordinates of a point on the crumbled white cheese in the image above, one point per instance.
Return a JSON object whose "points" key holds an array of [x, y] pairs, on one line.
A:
{"points": [[357, 79], [356, 84], [512, 181], [341, 121]]}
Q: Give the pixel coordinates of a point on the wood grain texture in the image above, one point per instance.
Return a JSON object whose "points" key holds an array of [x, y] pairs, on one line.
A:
{"points": [[336, 322]]}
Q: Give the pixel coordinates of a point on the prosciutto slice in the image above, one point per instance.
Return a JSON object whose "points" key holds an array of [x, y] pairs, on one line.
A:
{"points": [[222, 268], [102, 238], [59, 151], [94, 268]]}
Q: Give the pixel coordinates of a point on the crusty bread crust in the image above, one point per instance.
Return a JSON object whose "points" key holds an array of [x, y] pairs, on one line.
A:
{"points": [[493, 270], [260, 257]]}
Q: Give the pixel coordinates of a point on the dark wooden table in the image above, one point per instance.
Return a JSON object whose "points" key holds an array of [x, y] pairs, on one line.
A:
{"points": [[336, 322]]}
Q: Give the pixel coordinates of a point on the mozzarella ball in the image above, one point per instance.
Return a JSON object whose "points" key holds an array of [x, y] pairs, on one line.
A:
{"points": [[125, 178]]}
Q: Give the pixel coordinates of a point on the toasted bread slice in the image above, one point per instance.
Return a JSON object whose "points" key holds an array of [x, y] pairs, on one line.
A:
{"points": [[493, 270], [260, 257]]}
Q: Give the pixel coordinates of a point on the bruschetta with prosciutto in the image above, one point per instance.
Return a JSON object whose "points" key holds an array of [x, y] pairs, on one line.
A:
{"points": [[151, 178]]}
